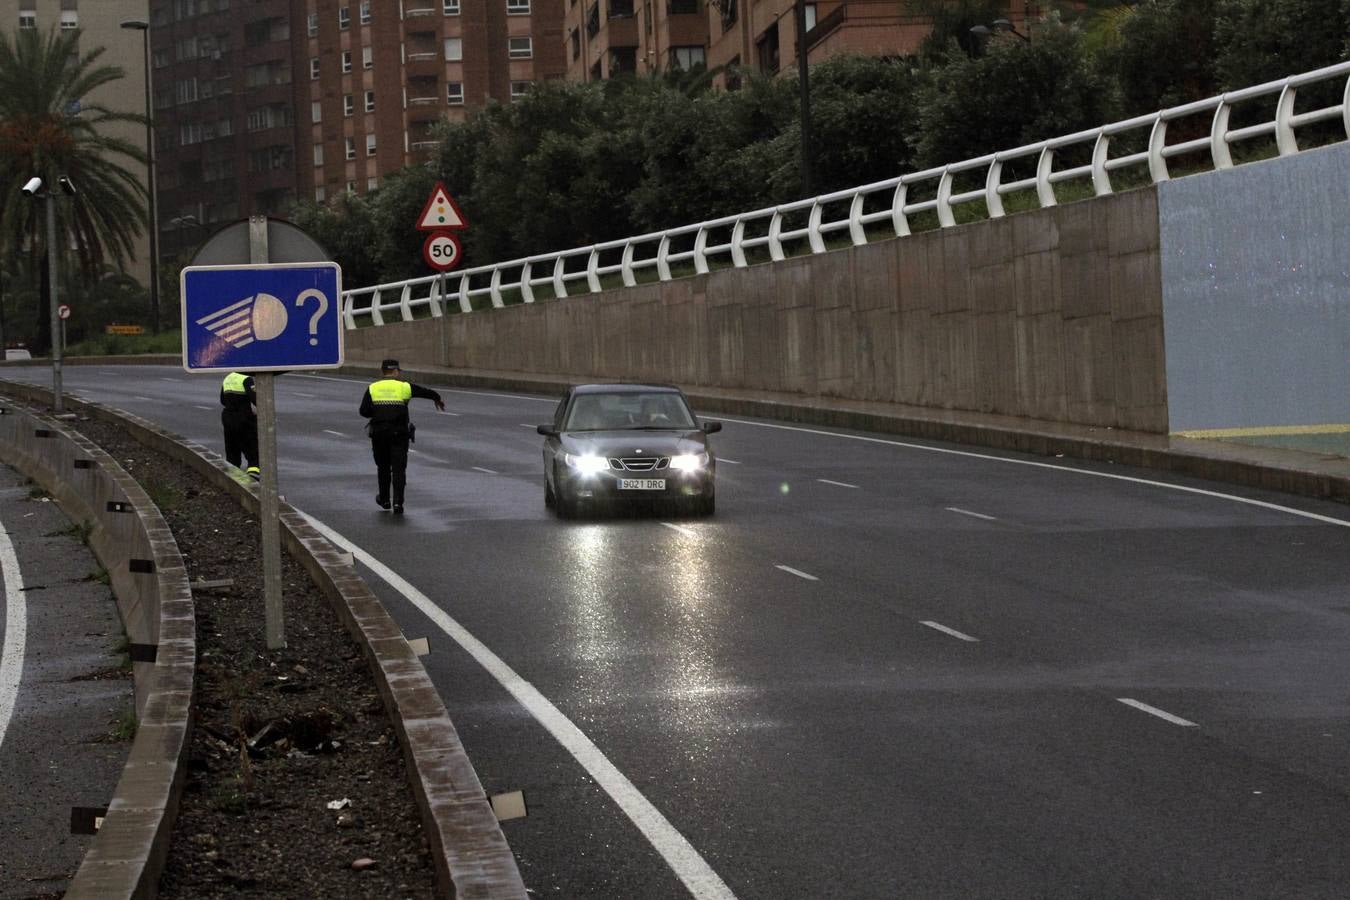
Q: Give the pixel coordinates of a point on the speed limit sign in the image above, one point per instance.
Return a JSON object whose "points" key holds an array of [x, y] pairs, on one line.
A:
{"points": [[63, 311], [442, 251]]}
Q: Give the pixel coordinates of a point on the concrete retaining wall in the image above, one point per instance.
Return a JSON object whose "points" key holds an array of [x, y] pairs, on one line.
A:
{"points": [[1053, 315], [134, 544]]}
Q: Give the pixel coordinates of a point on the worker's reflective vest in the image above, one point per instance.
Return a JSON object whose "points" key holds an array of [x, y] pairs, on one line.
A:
{"points": [[390, 390], [234, 384]]}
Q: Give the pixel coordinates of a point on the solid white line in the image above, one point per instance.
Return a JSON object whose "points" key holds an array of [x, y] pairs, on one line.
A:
{"points": [[681, 856], [952, 631], [1154, 711], [730, 462], [16, 628], [1044, 465], [483, 470], [331, 431], [680, 528], [966, 512], [798, 572], [837, 483]]}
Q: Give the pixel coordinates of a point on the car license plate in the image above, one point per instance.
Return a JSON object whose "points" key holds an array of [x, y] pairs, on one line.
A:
{"points": [[642, 484]]}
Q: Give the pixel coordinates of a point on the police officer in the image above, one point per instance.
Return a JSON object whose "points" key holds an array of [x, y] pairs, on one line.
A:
{"points": [[385, 404], [240, 421]]}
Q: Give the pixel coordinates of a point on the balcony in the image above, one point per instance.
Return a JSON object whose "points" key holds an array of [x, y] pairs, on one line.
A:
{"points": [[417, 12]]}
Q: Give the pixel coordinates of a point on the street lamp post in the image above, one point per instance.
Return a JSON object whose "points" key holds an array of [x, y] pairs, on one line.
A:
{"points": [[144, 27], [803, 75]]}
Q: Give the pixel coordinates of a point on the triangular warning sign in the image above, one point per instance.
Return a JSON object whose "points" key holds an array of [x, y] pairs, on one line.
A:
{"points": [[441, 213]]}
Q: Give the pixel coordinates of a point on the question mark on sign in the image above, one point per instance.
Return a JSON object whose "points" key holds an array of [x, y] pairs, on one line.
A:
{"points": [[318, 313]]}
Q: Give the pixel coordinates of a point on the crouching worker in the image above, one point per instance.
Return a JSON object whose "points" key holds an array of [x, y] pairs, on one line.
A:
{"points": [[385, 404], [240, 421]]}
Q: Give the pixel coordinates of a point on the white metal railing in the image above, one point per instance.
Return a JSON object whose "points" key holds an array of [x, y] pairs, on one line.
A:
{"points": [[803, 226]]}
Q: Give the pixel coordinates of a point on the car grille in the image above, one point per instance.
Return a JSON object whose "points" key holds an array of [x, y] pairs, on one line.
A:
{"points": [[638, 463]]}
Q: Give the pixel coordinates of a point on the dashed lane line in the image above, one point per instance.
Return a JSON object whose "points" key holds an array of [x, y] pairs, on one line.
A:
{"points": [[730, 462], [146, 399], [681, 529], [1154, 711], [842, 484], [798, 572], [331, 431], [207, 408], [965, 512], [485, 471], [959, 635], [698, 877], [1316, 517], [16, 632]]}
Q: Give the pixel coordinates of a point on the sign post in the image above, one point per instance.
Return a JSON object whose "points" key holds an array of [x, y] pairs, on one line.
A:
{"points": [[263, 318]]}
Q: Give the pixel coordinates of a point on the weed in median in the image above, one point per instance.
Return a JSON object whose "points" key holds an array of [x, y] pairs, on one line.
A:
{"points": [[100, 575], [37, 493], [79, 530], [164, 496], [125, 727]]}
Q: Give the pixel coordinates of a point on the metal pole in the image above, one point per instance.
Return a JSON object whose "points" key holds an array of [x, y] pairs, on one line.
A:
{"points": [[59, 401], [804, 78], [154, 198], [268, 506]]}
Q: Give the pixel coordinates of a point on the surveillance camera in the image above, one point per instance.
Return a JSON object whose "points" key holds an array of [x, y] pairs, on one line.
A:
{"points": [[33, 186], [67, 185]]}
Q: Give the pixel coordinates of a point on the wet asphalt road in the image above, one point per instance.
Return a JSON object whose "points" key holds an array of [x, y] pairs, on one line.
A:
{"points": [[878, 671]]}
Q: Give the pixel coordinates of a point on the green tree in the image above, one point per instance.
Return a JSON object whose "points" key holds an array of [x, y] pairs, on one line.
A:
{"points": [[345, 227], [1265, 40], [50, 128], [1165, 55]]}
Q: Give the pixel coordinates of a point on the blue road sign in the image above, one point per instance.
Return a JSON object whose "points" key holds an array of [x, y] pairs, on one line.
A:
{"points": [[262, 318]]}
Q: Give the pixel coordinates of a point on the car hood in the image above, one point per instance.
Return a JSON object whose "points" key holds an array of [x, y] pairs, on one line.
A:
{"points": [[633, 443]]}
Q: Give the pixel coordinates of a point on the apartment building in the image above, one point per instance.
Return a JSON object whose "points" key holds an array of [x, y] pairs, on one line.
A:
{"points": [[261, 103], [608, 38], [99, 24]]}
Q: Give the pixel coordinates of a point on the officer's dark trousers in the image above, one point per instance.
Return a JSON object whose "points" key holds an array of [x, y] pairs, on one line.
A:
{"points": [[391, 465], [241, 438]]}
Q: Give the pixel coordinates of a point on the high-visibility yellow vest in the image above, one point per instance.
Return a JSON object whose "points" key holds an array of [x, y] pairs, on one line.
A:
{"points": [[390, 390], [234, 384]]}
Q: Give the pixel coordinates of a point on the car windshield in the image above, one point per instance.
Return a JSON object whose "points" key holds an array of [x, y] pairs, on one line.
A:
{"points": [[629, 410]]}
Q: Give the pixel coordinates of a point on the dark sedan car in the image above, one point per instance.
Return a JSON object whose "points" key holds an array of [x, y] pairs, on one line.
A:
{"points": [[626, 442]]}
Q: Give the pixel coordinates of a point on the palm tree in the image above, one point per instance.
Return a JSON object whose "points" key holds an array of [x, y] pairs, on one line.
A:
{"points": [[49, 128]]}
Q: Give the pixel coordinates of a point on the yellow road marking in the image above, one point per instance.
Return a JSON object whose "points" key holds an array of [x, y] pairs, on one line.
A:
{"points": [[1264, 431]]}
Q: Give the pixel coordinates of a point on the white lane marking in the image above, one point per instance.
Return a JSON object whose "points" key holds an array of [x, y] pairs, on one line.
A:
{"points": [[483, 470], [146, 399], [678, 853], [843, 484], [1154, 711], [207, 408], [1344, 523], [680, 528], [331, 431], [730, 462], [798, 572], [16, 629], [952, 631], [170, 380], [446, 412], [524, 425], [966, 512], [302, 394]]}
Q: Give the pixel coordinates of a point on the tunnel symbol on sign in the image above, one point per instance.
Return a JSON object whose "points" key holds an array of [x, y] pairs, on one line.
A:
{"points": [[262, 317]]}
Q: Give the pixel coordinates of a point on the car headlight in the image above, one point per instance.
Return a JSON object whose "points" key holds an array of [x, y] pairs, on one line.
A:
{"points": [[587, 465], [689, 462]]}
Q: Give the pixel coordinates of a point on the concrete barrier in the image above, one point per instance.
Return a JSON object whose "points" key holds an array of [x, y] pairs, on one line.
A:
{"points": [[470, 852], [134, 544]]}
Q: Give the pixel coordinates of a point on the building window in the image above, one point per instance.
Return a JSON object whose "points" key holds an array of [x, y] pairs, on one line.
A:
{"points": [[27, 20], [351, 148], [313, 68], [729, 14], [318, 154], [767, 49], [685, 58], [351, 187], [344, 18], [809, 13], [372, 182], [367, 58], [316, 112], [370, 145], [370, 101], [517, 7], [346, 61], [519, 89], [365, 12], [454, 49], [313, 24], [520, 47], [620, 9], [70, 20], [348, 105], [451, 7], [681, 7], [576, 42], [162, 58], [454, 93], [320, 194]]}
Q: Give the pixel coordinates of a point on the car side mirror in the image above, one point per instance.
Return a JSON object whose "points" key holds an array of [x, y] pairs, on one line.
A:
{"points": [[712, 427], [547, 430]]}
